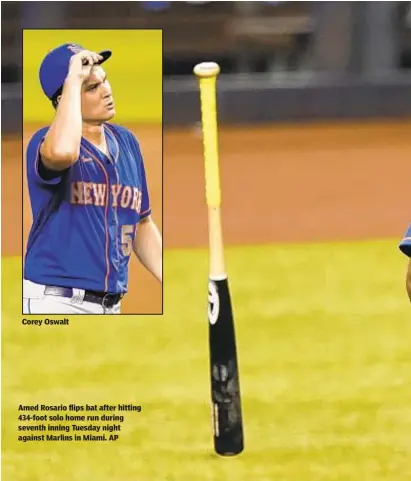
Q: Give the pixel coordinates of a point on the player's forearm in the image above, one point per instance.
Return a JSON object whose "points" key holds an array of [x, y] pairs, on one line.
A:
{"points": [[61, 146], [148, 248]]}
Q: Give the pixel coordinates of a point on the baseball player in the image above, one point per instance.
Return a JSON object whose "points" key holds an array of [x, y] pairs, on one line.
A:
{"points": [[405, 247], [88, 194]]}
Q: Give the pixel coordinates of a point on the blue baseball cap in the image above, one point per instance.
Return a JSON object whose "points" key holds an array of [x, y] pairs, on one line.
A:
{"points": [[55, 66]]}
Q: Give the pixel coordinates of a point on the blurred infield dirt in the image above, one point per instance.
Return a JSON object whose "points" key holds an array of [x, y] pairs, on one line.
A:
{"points": [[279, 184]]}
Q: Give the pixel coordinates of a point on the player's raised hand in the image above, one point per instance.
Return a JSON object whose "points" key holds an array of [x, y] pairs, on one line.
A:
{"points": [[82, 62]]}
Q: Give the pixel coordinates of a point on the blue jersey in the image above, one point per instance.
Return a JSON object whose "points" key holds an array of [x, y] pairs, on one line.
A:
{"points": [[85, 219]]}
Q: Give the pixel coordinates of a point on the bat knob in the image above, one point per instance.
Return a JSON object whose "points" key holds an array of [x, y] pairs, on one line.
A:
{"points": [[207, 69]]}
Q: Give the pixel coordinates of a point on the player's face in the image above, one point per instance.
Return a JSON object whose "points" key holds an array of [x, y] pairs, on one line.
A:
{"points": [[97, 104]]}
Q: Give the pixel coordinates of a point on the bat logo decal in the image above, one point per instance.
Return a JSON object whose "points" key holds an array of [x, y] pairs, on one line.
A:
{"points": [[213, 303]]}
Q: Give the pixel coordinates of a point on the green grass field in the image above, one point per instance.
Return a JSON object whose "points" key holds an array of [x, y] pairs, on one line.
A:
{"points": [[325, 362]]}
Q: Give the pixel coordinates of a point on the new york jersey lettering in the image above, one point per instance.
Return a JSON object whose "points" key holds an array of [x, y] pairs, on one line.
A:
{"points": [[86, 193]]}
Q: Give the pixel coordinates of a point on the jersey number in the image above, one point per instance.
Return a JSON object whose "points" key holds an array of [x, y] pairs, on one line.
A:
{"points": [[127, 239]]}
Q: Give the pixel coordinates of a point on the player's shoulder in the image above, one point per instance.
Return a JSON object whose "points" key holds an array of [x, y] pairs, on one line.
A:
{"points": [[122, 132], [37, 137], [40, 133], [119, 129]]}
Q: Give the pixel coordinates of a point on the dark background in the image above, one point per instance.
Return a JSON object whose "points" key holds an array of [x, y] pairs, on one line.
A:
{"points": [[279, 60]]}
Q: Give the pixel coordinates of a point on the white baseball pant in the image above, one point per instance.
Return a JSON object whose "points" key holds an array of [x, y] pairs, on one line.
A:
{"points": [[35, 301]]}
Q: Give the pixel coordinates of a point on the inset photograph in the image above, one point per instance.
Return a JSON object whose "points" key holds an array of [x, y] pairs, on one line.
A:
{"points": [[92, 172]]}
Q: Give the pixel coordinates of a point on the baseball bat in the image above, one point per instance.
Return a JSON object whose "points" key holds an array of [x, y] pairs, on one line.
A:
{"points": [[224, 371]]}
